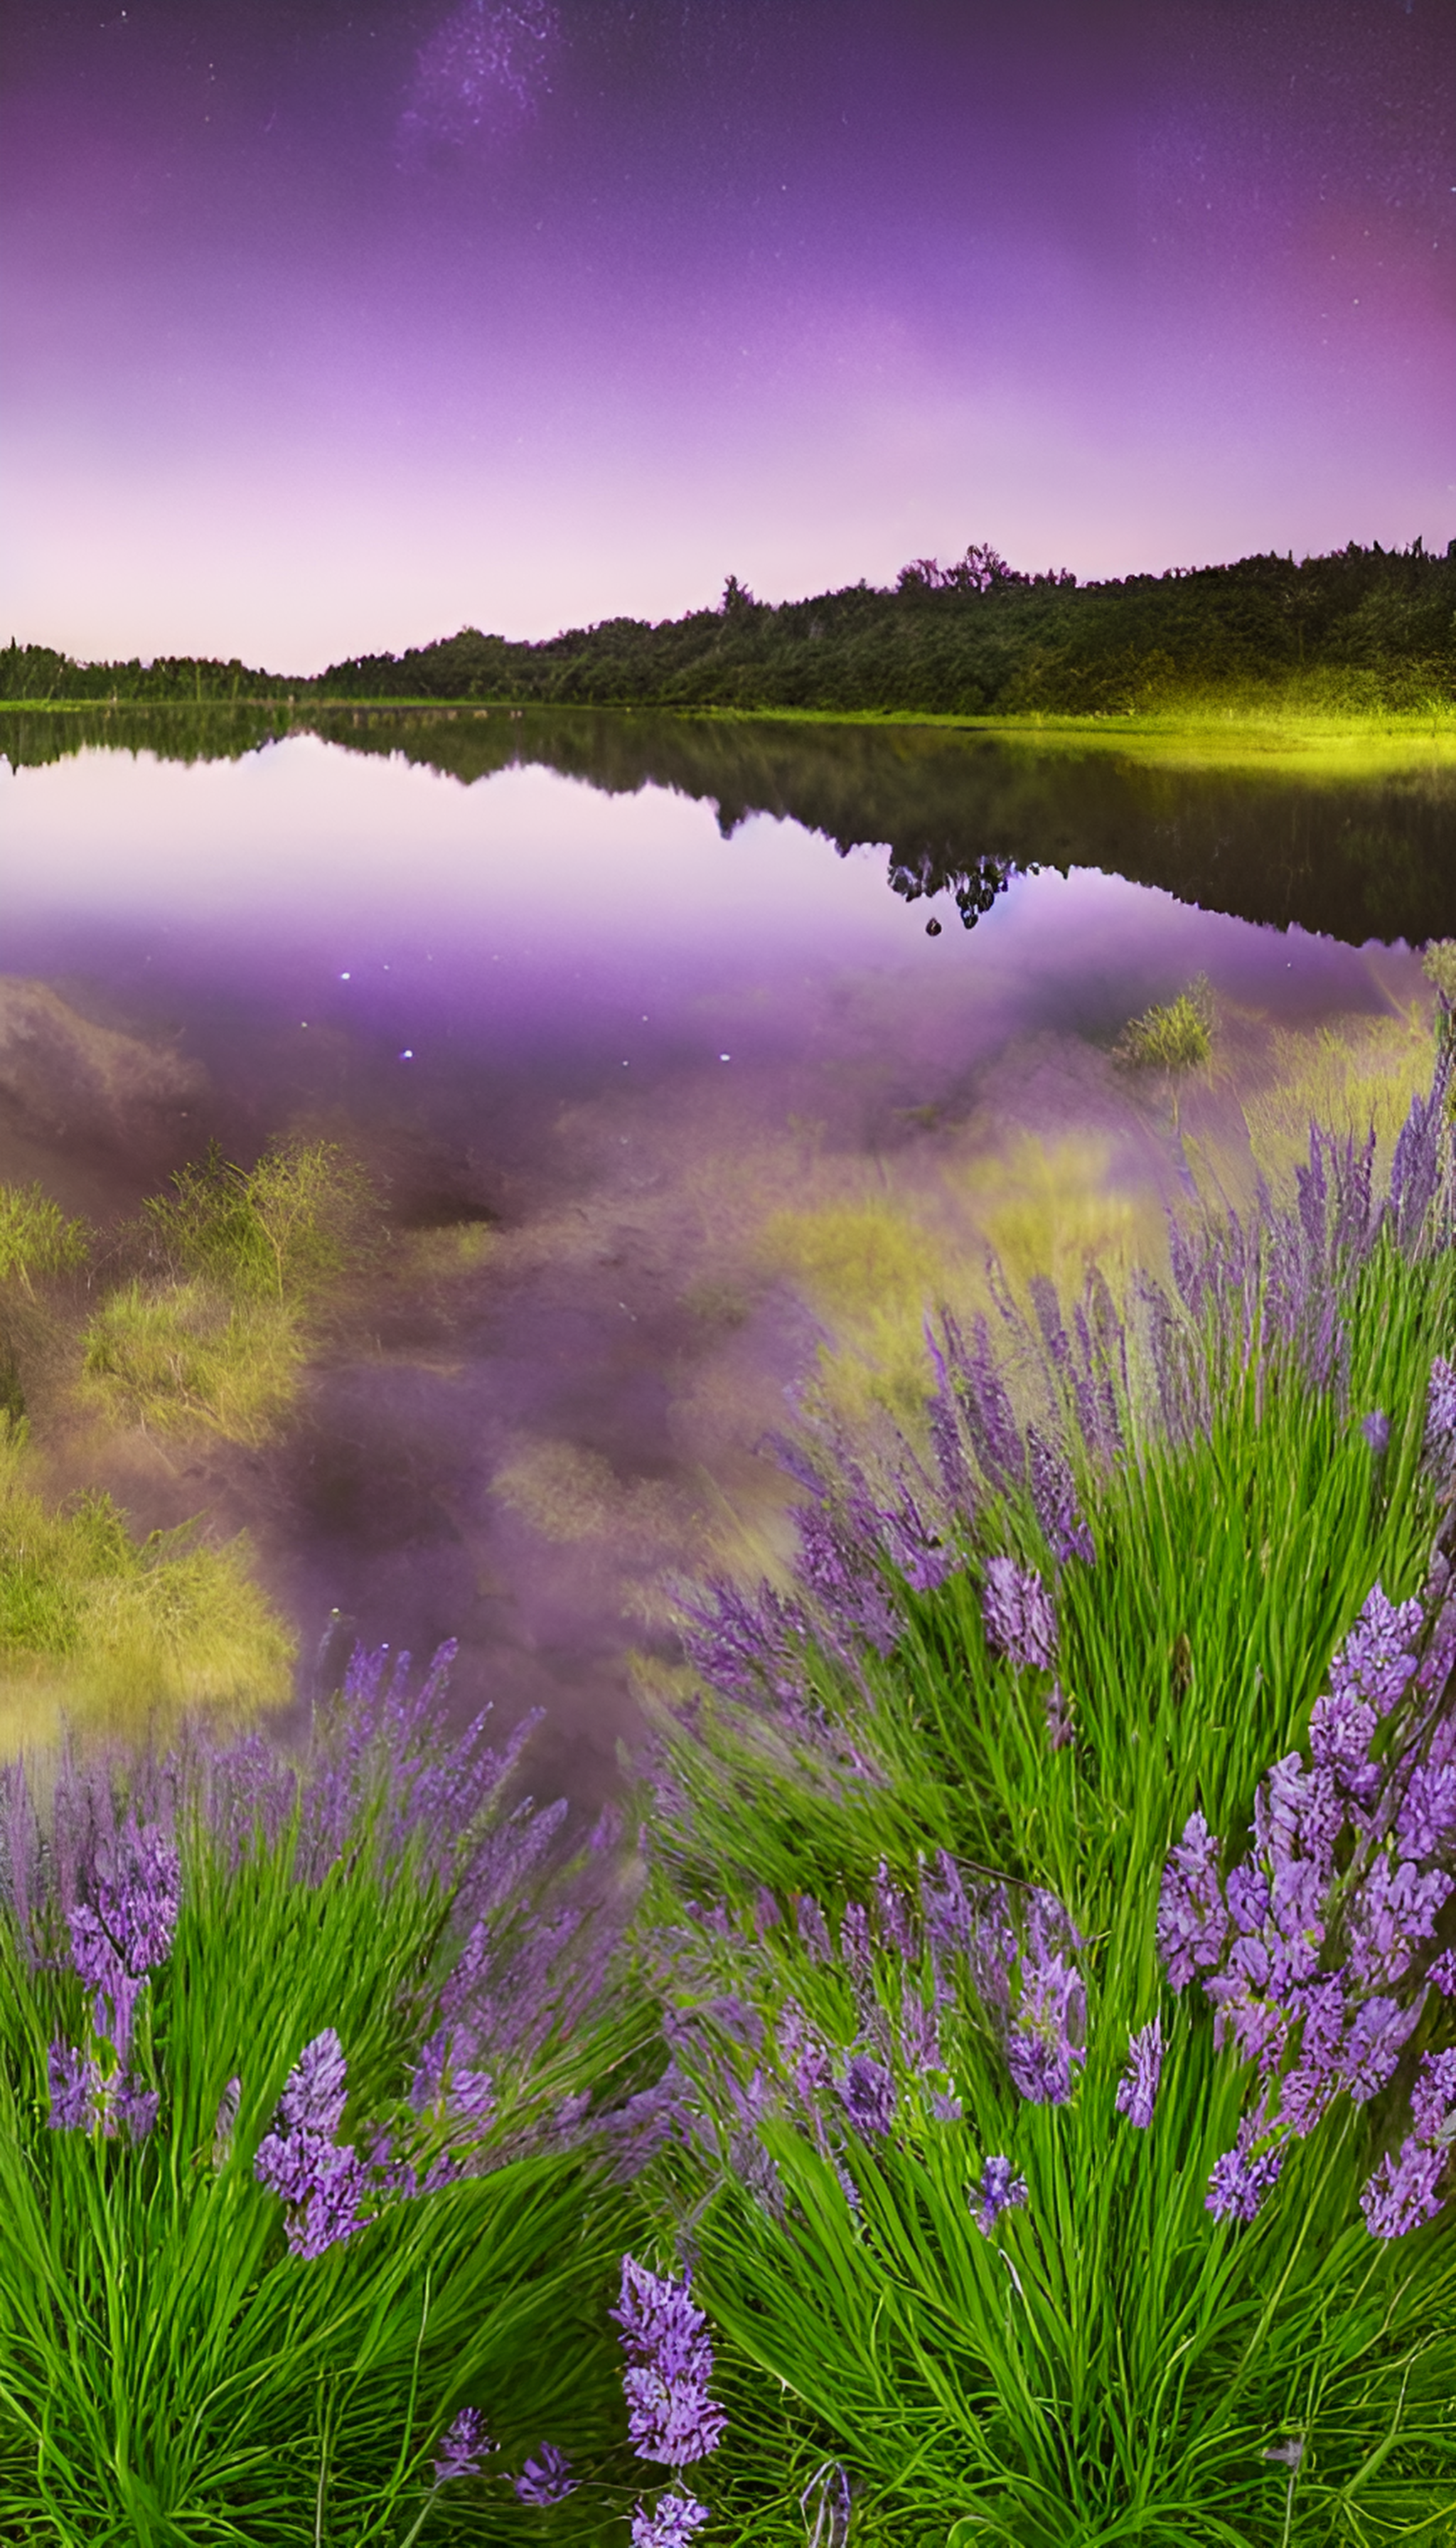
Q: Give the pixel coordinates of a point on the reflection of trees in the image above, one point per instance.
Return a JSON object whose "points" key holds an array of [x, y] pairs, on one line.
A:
{"points": [[958, 814], [932, 868]]}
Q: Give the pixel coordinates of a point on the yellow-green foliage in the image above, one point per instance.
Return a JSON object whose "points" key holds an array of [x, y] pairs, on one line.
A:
{"points": [[275, 1231], [108, 1632], [35, 1235], [854, 1260], [1054, 1208], [1348, 1080], [867, 1270], [1179, 1037], [219, 1348], [1438, 965], [179, 1357]]}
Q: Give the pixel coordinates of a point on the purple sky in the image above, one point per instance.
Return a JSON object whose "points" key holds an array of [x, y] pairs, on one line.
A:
{"points": [[335, 328]]}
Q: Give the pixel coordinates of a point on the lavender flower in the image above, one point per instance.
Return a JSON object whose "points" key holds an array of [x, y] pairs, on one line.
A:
{"points": [[990, 1419], [1393, 1912], [1443, 1974], [444, 2084], [1440, 1406], [1055, 1496], [855, 1942], [126, 1932], [669, 2414], [1241, 2177], [1137, 2092], [300, 2160], [1378, 1657], [1376, 1427], [997, 2190], [462, 2447], [868, 2094], [1192, 1921], [1046, 2041], [86, 2098], [134, 2109], [920, 2040], [813, 1928], [1433, 2096], [1373, 2045], [1403, 2192], [1341, 1730], [1406, 2188], [670, 2525], [1018, 1618], [544, 2481], [76, 2085]]}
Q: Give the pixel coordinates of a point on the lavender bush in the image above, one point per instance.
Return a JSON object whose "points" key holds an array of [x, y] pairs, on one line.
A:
{"points": [[315, 2131], [1076, 2165]]}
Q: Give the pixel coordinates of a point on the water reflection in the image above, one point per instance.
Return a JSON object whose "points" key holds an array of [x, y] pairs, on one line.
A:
{"points": [[666, 1102], [958, 812]]}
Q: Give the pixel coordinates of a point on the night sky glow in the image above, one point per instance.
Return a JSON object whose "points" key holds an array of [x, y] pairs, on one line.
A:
{"points": [[334, 327]]}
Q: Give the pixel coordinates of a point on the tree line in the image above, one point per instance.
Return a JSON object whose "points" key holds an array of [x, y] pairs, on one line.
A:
{"points": [[1358, 628]]}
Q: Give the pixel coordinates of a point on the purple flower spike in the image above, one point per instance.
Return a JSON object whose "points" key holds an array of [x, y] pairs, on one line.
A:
{"points": [[664, 2334], [462, 2447], [1434, 2095], [868, 2094], [1440, 1406], [1405, 2188], [1340, 1734], [74, 2082], [670, 2525], [1403, 2192], [1378, 1657], [316, 2090], [300, 2160], [997, 2190], [1376, 1427], [1137, 2092], [1240, 2180], [1055, 1500], [1018, 1618], [544, 2481], [1192, 1922], [1045, 2045]]}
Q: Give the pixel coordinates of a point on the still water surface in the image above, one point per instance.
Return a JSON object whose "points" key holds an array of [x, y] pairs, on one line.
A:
{"points": [[633, 1041]]}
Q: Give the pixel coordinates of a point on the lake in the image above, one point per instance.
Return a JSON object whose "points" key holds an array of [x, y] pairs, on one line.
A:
{"points": [[690, 1060]]}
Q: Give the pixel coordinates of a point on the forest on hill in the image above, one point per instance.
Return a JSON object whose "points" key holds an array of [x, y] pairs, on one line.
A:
{"points": [[1358, 629]]}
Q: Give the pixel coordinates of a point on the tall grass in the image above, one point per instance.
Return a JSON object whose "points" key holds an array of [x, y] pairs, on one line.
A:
{"points": [[36, 1236], [115, 1634], [909, 1856], [218, 1341]]}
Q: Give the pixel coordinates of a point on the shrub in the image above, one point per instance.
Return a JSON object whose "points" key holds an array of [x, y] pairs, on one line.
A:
{"points": [[1178, 1037]]}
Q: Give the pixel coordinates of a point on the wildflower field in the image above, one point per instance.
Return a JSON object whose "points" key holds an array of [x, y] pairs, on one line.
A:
{"points": [[996, 2085]]}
